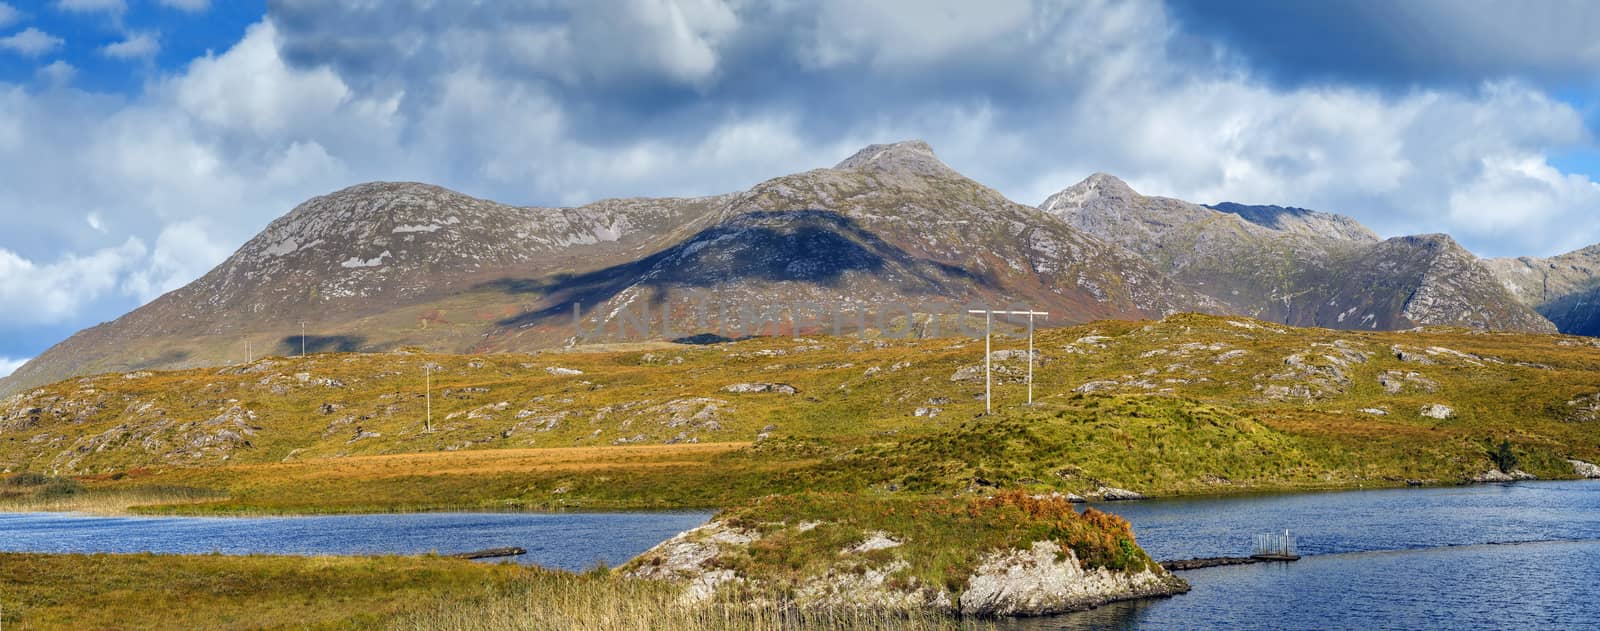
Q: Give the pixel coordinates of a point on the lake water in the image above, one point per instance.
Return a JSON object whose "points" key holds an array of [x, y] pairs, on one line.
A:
{"points": [[569, 541], [1521, 556]]}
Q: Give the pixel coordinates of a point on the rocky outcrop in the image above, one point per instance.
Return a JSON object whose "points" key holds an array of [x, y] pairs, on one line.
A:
{"points": [[1113, 494], [752, 388], [1496, 475], [1585, 469], [1045, 580], [1037, 578]]}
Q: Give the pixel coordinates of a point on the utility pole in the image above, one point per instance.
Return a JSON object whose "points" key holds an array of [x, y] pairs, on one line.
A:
{"points": [[988, 357], [302, 338], [988, 328], [249, 354], [427, 387]]}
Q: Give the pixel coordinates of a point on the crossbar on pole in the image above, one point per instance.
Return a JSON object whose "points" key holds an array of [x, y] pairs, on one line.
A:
{"points": [[988, 374]]}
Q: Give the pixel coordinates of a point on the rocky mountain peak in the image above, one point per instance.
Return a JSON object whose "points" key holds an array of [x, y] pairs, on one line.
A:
{"points": [[913, 156], [1096, 190]]}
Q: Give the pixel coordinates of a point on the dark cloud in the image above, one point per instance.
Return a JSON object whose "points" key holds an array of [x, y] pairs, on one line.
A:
{"points": [[1403, 44]]}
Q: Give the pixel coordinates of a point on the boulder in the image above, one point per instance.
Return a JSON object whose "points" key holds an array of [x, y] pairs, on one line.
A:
{"points": [[1438, 411]]}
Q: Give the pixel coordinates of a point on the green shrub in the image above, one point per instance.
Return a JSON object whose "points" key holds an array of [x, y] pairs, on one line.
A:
{"points": [[27, 478], [60, 487], [1503, 457]]}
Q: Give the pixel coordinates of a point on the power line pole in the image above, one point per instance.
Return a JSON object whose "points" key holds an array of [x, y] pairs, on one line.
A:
{"points": [[988, 357], [302, 338], [427, 387], [988, 328]]}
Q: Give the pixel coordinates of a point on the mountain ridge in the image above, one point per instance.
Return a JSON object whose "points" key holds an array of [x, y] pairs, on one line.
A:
{"points": [[378, 266], [1296, 266]]}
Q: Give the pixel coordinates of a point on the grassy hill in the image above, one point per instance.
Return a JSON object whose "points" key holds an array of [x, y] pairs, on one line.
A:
{"points": [[1189, 404]]}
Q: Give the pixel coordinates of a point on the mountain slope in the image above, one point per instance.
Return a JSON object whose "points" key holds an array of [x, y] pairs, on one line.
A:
{"points": [[384, 265], [1565, 288], [1296, 266]]}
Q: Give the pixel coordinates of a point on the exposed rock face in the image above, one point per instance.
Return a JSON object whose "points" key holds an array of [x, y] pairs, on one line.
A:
{"points": [[1565, 288], [1585, 469], [1043, 580], [1297, 266], [690, 556], [1040, 580], [1113, 494], [384, 265], [749, 388], [1496, 475]]}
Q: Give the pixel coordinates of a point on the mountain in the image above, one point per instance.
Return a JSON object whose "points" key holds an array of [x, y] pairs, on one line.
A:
{"points": [[386, 265], [1565, 288], [1296, 266]]}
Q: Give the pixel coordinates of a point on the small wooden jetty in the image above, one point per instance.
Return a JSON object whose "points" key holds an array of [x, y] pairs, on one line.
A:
{"points": [[491, 553], [1275, 547]]}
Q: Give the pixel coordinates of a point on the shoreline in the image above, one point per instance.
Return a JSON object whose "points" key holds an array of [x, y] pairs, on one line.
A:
{"points": [[176, 510]]}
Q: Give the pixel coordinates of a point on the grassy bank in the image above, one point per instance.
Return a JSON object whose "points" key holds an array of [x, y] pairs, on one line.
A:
{"points": [[262, 592]]}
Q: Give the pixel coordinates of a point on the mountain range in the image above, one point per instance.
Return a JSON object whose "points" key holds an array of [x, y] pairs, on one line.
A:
{"points": [[381, 266]]}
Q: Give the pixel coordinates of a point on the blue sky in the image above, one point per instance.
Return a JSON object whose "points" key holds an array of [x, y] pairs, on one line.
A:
{"points": [[142, 141]]}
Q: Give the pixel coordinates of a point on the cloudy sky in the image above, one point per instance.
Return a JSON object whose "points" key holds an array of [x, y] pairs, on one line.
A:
{"points": [[141, 141]]}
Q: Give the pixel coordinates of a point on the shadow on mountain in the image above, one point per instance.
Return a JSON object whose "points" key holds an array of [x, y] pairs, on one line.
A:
{"points": [[322, 344], [166, 359], [811, 246], [703, 339], [1574, 314]]}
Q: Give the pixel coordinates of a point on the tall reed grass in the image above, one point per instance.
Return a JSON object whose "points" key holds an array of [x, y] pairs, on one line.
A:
{"points": [[599, 601]]}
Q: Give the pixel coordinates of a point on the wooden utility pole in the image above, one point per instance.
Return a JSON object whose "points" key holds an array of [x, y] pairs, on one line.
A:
{"points": [[988, 372]]}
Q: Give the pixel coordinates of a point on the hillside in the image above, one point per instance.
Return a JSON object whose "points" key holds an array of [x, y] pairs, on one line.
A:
{"points": [[1189, 404], [1296, 266], [1565, 288], [380, 266]]}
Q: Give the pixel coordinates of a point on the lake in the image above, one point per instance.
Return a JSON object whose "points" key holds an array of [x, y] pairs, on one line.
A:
{"points": [[569, 541], [1522, 555]]}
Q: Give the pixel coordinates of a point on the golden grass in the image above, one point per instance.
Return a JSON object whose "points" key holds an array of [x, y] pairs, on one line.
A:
{"points": [[498, 461], [103, 591], [561, 602]]}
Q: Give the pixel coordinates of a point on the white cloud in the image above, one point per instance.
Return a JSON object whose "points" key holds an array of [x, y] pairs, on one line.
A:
{"points": [[50, 292], [57, 73], [95, 222], [134, 46], [192, 6], [93, 6], [183, 252], [31, 42], [8, 14], [249, 87], [9, 365]]}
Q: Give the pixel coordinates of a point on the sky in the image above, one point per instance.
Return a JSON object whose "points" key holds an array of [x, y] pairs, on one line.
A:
{"points": [[142, 141]]}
